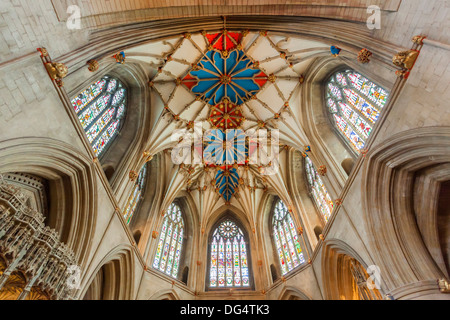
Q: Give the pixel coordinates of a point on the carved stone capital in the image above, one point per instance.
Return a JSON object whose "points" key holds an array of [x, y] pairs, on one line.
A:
{"points": [[444, 285]]}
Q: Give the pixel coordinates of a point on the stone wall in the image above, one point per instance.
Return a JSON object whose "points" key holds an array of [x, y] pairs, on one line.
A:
{"points": [[30, 106]]}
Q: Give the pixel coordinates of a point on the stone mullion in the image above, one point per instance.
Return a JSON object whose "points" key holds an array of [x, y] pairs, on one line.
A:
{"points": [[285, 251], [362, 95], [341, 113], [101, 94], [366, 97], [355, 129], [102, 113], [99, 135]]}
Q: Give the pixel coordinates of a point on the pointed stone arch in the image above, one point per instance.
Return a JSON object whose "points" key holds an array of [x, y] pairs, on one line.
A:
{"points": [[121, 154], [337, 279], [292, 293], [168, 294], [113, 278], [396, 227], [190, 237], [241, 220], [74, 182]]}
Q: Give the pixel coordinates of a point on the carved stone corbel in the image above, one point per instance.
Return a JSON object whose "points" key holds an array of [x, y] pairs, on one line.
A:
{"points": [[405, 59], [444, 285]]}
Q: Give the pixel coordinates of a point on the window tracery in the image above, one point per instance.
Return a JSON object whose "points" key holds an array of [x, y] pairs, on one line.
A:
{"points": [[286, 239], [101, 110], [229, 258], [355, 104], [170, 244]]}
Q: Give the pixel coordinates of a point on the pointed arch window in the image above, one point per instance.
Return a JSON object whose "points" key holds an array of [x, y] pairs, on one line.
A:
{"points": [[135, 195], [318, 190], [168, 252], [355, 104], [101, 110], [286, 239], [229, 265]]}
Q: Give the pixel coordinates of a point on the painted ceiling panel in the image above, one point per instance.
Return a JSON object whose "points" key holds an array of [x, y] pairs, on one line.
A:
{"points": [[187, 51], [181, 100], [176, 68], [165, 89], [271, 97], [273, 65], [228, 79], [262, 49]]}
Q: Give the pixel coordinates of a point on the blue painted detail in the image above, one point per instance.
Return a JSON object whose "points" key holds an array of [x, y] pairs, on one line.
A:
{"points": [[335, 50], [238, 66], [235, 150], [227, 183]]}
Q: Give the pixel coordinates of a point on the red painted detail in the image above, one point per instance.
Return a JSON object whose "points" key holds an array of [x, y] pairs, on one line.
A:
{"points": [[219, 44], [212, 37], [222, 42], [229, 43], [189, 84], [252, 147], [261, 79], [235, 116]]}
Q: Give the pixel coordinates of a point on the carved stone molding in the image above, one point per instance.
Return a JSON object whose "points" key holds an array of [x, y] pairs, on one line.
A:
{"points": [[31, 251]]}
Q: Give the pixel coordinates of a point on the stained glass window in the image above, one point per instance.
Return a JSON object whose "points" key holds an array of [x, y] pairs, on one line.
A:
{"points": [[318, 191], [168, 252], [135, 195], [229, 258], [286, 239], [354, 103], [101, 110]]}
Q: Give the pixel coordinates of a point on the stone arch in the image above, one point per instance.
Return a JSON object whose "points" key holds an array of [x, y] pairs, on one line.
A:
{"points": [[318, 230], [148, 203], [328, 146], [113, 278], [264, 227], [347, 164], [137, 237], [191, 229], [309, 216], [189, 250], [242, 222], [401, 179], [109, 171], [72, 176], [269, 240], [292, 293], [120, 156], [337, 280], [168, 294]]}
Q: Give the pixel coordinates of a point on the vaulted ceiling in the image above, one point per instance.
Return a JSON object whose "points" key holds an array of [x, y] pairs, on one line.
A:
{"points": [[226, 79], [100, 14]]}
